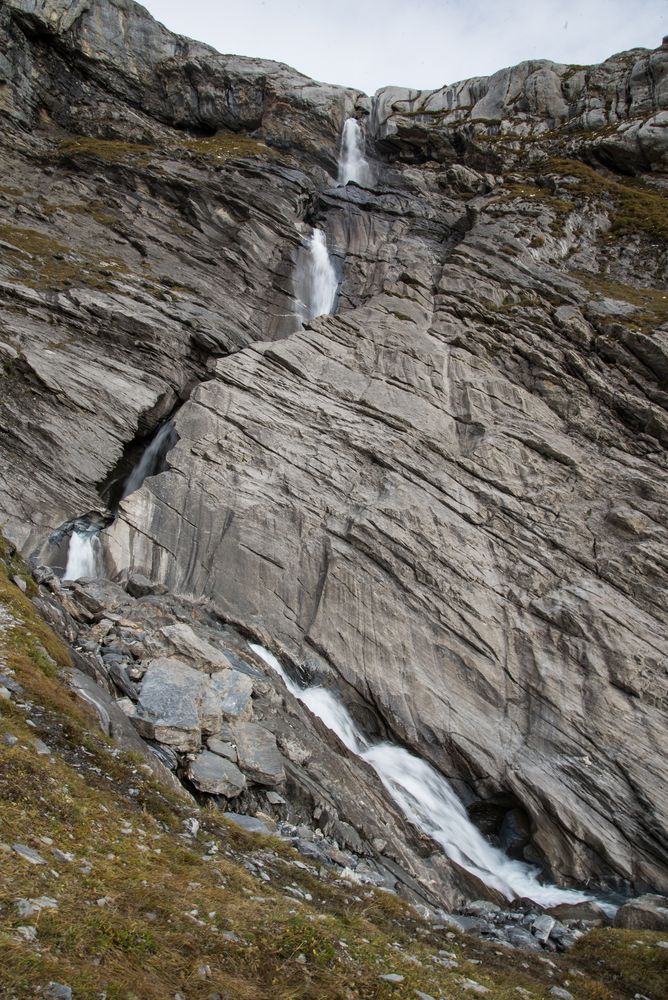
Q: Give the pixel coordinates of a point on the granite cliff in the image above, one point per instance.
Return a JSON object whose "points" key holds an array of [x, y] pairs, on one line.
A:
{"points": [[447, 501]]}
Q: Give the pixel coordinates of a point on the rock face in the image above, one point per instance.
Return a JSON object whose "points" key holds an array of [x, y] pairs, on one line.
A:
{"points": [[450, 498]]}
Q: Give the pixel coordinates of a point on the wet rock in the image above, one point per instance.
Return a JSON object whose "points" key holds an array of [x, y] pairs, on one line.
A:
{"points": [[514, 833], [258, 754], [648, 912], [216, 775]]}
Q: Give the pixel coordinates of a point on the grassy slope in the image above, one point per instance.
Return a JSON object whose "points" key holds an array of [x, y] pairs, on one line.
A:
{"points": [[170, 902]]}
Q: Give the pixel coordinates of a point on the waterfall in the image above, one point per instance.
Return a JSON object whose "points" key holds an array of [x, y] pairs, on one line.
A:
{"points": [[152, 460], [315, 280], [353, 165], [84, 555], [426, 799]]}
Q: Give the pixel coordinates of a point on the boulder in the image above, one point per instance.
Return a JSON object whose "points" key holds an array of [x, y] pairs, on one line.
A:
{"points": [[138, 585], [588, 911], [520, 937], [222, 748], [194, 650], [216, 775], [542, 926], [233, 690], [646, 913], [258, 754], [170, 704]]}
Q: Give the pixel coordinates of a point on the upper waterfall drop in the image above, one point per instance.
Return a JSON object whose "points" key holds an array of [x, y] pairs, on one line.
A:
{"points": [[426, 798], [316, 283], [353, 165]]}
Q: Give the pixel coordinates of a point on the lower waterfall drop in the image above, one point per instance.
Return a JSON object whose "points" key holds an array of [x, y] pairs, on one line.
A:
{"points": [[427, 800], [316, 283], [84, 555]]}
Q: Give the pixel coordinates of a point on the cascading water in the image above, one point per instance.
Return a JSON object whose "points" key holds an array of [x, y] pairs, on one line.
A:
{"points": [[84, 555], [152, 460], [353, 165], [315, 282], [427, 800], [85, 551]]}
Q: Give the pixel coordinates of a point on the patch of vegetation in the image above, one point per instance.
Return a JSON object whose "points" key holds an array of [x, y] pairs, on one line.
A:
{"points": [[228, 146], [43, 262], [109, 150], [651, 303], [560, 208], [633, 207], [627, 960]]}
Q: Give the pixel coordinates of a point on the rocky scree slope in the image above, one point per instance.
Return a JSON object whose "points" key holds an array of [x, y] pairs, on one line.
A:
{"points": [[448, 499], [114, 884]]}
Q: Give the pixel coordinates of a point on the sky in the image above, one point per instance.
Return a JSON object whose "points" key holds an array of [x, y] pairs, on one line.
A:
{"points": [[423, 44]]}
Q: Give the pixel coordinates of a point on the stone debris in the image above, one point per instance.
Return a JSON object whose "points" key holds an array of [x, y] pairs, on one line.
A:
{"points": [[28, 854], [258, 754], [472, 986], [28, 907], [216, 775]]}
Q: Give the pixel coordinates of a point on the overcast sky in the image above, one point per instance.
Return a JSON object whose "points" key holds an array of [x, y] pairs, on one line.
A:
{"points": [[422, 43]]}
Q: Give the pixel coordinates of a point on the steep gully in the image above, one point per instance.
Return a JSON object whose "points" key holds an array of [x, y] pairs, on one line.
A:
{"points": [[422, 794]]}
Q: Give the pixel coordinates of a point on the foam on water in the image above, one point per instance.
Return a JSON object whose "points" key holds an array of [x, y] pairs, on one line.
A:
{"points": [[426, 798], [353, 165], [315, 279], [152, 460], [84, 555]]}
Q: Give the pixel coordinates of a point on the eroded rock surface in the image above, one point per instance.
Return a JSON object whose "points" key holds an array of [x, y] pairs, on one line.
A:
{"points": [[449, 500]]}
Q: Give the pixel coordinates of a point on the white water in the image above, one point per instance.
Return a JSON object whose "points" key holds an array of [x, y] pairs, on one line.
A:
{"points": [[427, 800], [152, 460], [316, 283], [353, 165], [84, 555]]}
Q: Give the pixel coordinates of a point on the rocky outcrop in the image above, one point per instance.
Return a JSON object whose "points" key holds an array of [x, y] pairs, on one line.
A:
{"points": [[449, 500], [648, 912], [614, 112]]}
